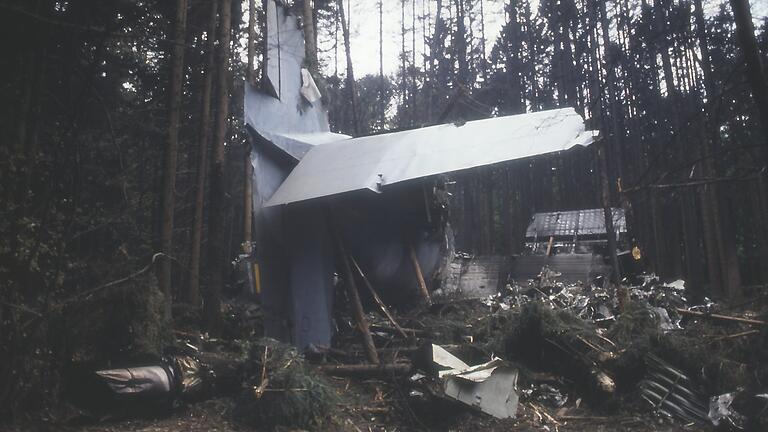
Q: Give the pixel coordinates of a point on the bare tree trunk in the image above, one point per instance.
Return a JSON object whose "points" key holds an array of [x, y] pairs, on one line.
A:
{"points": [[404, 72], [216, 238], [170, 158], [350, 71], [310, 43], [709, 192], [616, 136], [382, 109], [251, 40], [460, 42], [757, 80], [762, 206], [483, 42], [26, 103], [663, 40], [247, 166], [414, 72], [193, 293], [730, 260], [608, 214], [713, 222], [690, 221], [616, 133], [755, 73], [506, 210], [247, 200]]}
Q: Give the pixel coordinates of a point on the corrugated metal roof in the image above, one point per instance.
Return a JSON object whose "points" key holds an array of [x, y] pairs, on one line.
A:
{"points": [[570, 223], [376, 161]]}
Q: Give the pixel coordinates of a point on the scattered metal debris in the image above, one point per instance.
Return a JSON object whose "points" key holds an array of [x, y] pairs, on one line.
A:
{"points": [[490, 387], [573, 231], [720, 409], [142, 387], [672, 393]]}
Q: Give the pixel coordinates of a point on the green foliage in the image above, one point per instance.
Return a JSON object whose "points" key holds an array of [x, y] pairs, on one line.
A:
{"points": [[526, 332], [130, 320], [81, 126], [294, 397]]}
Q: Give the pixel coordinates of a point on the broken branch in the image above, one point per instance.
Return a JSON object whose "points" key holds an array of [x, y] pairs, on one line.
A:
{"points": [[354, 297], [367, 370], [377, 298], [720, 317], [419, 275], [386, 329]]}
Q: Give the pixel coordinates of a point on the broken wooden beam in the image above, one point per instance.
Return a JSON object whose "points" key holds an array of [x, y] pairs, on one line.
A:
{"points": [[354, 298], [737, 335], [419, 276], [391, 330], [365, 370], [720, 317], [550, 244], [378, 300]]}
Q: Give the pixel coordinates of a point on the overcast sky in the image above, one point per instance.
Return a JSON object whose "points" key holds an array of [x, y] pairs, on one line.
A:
{"points": [[364, 30]]}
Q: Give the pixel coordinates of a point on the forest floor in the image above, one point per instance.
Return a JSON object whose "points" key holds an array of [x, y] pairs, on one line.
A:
{"points": [[556, 387], [215, 416]]}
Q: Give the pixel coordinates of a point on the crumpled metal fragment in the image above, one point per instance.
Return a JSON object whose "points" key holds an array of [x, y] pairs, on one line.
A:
{"points": [[720, 409]]}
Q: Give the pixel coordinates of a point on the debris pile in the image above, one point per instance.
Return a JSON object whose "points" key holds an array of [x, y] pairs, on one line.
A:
{"points": [[574, 352], [545, 356], [645, 342]]}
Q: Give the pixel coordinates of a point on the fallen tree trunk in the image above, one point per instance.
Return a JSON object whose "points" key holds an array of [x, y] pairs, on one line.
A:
{"points": [[366, 370]]}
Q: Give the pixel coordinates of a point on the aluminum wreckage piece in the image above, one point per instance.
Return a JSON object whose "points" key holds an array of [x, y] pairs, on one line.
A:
{"points": [[672, 393], [490, 387], [307, 178]]}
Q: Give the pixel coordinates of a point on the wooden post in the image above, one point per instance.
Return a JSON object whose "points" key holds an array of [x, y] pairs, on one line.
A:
{"points": [[608, 211], [376, 297], [247, 245], [419, 275], [550, 244], [354, 297]]}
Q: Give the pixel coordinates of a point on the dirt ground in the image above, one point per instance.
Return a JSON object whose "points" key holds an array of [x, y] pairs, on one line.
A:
{"points": [[366, 407], [215, 416]]}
